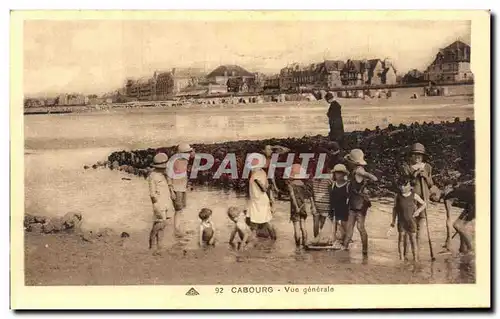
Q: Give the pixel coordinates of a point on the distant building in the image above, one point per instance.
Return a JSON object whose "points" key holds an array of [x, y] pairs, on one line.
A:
{"points": [[72, 99], [327, 74], [355, 73], [272, 83], [368, 72], [413, 76], [163, 84], [451, 64], [223, 73]]}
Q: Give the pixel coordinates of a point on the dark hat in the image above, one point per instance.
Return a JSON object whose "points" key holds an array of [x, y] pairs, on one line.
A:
{"points": [[329, 96], [418, 148]]}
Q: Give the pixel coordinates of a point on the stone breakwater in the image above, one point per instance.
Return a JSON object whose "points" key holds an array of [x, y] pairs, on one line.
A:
{"points": [[450, 145]]}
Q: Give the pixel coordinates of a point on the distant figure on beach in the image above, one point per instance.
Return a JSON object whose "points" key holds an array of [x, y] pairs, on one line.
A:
{"points": [[207, 228], [237, 216], [259, 204], [335, 119], [159, 192], [178, 185]]}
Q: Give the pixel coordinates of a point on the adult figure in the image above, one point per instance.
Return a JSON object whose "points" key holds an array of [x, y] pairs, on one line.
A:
{"points": [[335, 119], [259, 203]]}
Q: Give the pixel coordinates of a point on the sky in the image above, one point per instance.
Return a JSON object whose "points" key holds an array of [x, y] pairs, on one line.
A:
{"points": [[96, 56]]}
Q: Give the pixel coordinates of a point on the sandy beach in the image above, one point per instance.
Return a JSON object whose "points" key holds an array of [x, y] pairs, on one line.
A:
{"points": [[56, 184]]}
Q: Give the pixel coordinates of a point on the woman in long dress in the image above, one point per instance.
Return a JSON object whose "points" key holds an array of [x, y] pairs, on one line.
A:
{"points": [[259, 204], [335, 119]]}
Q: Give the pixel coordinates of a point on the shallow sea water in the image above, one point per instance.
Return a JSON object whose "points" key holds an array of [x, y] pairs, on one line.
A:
{"points": [[56, 183]]}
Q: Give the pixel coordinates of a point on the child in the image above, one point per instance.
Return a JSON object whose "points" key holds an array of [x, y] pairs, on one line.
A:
{"points": [[466, 194], [207, 228], [404, 210], [300, 205], [339, 201], [178, 185], [420, 173], [159, 193], [358, 200], [240, 227], [321, 202]]}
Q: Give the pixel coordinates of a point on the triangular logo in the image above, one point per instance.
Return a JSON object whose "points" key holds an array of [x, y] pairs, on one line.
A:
{"points": [[192, 292]]}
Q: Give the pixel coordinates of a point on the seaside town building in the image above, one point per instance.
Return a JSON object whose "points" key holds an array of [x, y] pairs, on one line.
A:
{"points": [[72, 99], [223, 73], [325, 74], [413, 76], [368, 72], [163, 84], [451, 64]]}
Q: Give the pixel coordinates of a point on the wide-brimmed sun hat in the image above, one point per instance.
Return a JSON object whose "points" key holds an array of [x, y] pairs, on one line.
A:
{"points": [[255, 161], [340, 168], [160, 160], [184, 148], [356, 156], [418, 148]]}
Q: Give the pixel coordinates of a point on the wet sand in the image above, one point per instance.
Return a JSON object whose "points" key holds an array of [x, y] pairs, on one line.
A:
{"points": [[55, 183]]}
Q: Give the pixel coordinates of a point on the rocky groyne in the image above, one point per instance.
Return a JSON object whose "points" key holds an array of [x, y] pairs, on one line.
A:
{"points": [[451, 148]]}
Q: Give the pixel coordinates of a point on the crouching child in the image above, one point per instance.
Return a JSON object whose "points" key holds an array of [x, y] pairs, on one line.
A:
{"points": [[241, 228]]}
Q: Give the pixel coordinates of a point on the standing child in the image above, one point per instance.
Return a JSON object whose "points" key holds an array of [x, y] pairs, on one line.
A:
{"points": [[240, 227], [420, 173], [358, 200], [404, 209], [339, 202], [207, 228], [465, 194], [321, 203], [178, 185], [159, 193], [300, 205]]}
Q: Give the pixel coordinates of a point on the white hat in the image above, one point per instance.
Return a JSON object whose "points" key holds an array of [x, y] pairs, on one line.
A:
{"points": [[340, 168], [160, 160], [184, 148]]}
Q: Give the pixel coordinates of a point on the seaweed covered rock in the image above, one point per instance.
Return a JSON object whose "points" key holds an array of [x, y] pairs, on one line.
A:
{"points": [[448, 144], [41, 224]]}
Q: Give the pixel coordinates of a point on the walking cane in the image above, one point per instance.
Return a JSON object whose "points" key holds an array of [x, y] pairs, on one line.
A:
{"points": [[427, 222]]}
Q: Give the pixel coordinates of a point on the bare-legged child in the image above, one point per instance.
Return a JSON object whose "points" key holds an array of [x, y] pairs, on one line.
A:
{"points": [[207, 228], [241, 228], [159, 193], [404, 211], [300, 205]]}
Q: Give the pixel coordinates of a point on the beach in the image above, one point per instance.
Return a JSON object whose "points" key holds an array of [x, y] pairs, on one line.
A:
{"points": [[58, 146]]}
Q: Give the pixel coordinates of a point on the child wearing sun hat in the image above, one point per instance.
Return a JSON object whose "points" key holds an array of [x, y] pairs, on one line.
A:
{"points": [[420, 173], [358, 200], [159, 192]]}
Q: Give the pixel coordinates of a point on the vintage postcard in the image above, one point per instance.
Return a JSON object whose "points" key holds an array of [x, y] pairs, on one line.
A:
{"points": [[250, 160]]}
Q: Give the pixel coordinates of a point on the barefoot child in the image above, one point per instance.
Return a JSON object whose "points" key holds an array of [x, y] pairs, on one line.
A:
{"points": [[240, 227], [321, 203], [300, 205], [358, 200], [339, 202], [420, 173], [159, 193], [404, 209], [466, 194], [207, 228]]}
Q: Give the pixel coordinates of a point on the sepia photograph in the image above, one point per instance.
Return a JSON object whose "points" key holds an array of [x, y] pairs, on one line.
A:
{"points": [[269, 153]]}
